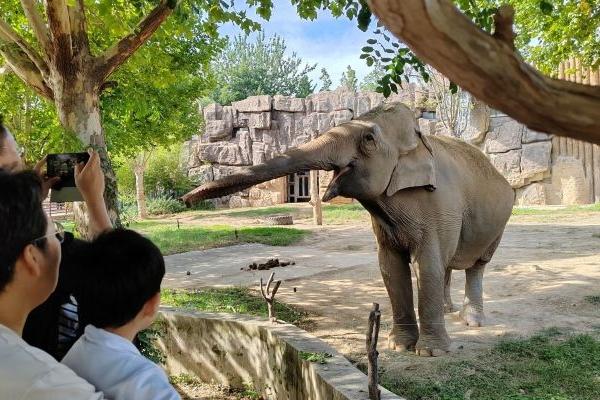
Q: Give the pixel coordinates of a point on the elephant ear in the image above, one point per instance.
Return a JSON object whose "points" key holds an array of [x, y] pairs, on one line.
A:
{"points": [[415, 168]]}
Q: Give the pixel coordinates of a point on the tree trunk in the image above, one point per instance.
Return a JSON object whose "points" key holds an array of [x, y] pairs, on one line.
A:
{"points": [[139, 169], [79, 111], [315, 199]]}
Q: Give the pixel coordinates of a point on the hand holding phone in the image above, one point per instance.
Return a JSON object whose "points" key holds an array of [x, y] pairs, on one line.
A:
{"points": [[89, 177], [63, 166]]}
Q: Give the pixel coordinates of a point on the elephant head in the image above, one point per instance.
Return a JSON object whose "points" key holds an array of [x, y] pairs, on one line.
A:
{"points": [[377, 154]]}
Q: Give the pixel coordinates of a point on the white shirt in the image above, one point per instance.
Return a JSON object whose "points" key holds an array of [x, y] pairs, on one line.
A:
{"points": [[115, 366], [28, 373]]}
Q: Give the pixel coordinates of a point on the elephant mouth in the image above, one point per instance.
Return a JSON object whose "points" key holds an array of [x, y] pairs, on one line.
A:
{"points": [[333, 189]]}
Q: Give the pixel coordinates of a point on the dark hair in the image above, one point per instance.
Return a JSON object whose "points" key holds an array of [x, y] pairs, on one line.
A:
{"points": [[121, 271], [22, 218]]}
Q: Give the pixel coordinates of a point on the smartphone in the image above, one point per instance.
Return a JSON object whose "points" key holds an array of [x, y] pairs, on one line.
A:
{"points": [[63, 166]]}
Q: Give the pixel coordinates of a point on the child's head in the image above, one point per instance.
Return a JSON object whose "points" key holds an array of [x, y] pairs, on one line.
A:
{"points": [[120, 280]]}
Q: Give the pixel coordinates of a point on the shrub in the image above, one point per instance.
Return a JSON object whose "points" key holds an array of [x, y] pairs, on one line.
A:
{"points": [[164, 205]]}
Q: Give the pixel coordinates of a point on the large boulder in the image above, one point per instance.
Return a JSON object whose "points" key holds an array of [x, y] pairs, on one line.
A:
{"points": [[505, 134], [253, 104], [217, 130], [531, 195], [258, 153], [341, 116], [285, 103], [212, 112], [509, 165], [478, 123], [223, 153], [260, 120], [202, 174], [535, 161], [533, 136], [362, 104]]}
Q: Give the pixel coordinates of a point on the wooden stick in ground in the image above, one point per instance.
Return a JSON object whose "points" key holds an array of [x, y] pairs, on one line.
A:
{"points": [[372, 353], [270, 297]]}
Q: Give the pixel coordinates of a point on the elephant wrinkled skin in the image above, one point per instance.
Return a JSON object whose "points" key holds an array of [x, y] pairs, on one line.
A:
{"points": [[436, 203]]}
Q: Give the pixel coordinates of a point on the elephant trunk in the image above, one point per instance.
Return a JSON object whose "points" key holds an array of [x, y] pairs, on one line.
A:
{"points": [[320, 153]]}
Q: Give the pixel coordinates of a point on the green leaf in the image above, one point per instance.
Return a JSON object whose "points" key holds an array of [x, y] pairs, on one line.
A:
{"points": [[372, 41], [367, 49], [546, 7]]}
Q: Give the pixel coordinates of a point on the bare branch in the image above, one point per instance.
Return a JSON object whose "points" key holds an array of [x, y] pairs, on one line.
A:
{"points": [[24, 68], [503, 25], [490, 70], [116, 55], [40, 30], [9, 35], [270, 297]]}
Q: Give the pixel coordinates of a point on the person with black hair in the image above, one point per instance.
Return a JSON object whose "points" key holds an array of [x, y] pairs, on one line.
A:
{"points": [[119, 296], [53, 326], [30, 254]]}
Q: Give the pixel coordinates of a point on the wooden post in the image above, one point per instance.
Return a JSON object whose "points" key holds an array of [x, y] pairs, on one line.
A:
{"points": [[372, 354], [270, 297], [315, 199]]}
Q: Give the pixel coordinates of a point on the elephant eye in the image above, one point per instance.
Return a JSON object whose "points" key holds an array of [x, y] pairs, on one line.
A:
{"points": [[369, 137]]}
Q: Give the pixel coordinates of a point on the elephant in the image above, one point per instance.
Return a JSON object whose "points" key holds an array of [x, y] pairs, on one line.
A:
{"points": [[437, 204]]}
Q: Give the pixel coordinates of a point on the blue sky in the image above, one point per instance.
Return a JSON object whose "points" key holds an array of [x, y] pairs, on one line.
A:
{"points": [[331, 43]]}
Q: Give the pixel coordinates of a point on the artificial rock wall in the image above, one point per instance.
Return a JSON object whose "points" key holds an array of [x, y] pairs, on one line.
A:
{"points": [[259, 128]]}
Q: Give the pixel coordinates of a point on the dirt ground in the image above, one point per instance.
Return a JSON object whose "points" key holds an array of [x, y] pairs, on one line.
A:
{"points": [[539, 277]]}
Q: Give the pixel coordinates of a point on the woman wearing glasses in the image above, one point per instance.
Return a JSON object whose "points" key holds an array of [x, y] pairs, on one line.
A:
{"points": [[53, 326]]}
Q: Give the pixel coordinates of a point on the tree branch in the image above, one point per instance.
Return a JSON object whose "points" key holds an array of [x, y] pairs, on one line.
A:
{"points": [[490, 69], [38, 26], [116, 55], [79, 37], [24, 68], [60, 34], [10, 35]]}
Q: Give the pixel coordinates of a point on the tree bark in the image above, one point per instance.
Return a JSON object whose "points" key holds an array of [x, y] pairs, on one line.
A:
{"points": [[139, 169], [315, 199], [488, 67]]}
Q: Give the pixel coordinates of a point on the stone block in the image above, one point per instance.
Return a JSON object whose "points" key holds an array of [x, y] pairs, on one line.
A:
{"points": [[221, 171], [362, 104], [535, 161], [344, 100], [531, 195], [509, 165], [217, 130], [341, 116], [260, 120], [324, 122], [238, 202], [377, 99], [253, 104], [258, 153], [287, 129], [427, 126], [531, 136], [285, 103], [478, 123], [202, 174], [223, 153], [256, 134], [310, 124], [322, 102], [212, 112], [505, 134], [241, 119], [245, 143]]}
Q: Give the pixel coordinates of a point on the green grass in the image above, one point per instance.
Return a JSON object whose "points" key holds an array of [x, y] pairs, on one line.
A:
{"points": [[319, 358], [263, 212], [237, 300], [339, 214], [593, 299], [172, 240], [555, 211], [548, 366]]}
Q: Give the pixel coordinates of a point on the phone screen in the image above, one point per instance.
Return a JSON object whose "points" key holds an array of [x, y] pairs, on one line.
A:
{"points": [[63, 166]]}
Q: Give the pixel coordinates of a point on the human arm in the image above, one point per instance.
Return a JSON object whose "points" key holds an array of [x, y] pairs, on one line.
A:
{"points": [[89, 179]]}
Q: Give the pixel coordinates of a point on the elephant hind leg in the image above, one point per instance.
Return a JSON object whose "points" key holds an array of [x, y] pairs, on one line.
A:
{"points": [[472, 311], [449, 307]]}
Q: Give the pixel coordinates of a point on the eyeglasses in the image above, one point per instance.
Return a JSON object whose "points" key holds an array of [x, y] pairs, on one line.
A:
{"points": [[59, 233]]}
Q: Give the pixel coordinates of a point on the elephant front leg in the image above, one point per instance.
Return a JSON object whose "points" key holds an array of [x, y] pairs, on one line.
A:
{"points": [[472, 312], [433, 338], [395, 270]]}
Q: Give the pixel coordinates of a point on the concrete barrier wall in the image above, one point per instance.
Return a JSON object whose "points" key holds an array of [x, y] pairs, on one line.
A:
{"points": [[233, 350]]}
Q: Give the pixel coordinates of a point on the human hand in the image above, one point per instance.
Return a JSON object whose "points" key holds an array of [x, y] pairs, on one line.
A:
{"points": [[89, 178], [47, 183]]}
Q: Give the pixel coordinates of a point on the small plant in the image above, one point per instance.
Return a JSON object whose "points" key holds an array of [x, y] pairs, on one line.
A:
{"points": [[593, 299], [147, 343], [320, 358], [249, 392]]}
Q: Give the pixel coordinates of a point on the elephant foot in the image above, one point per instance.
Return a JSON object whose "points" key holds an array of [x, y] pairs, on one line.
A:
{"points": [[450, 308], [433, 346], [472, 317], [403, 338]]}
